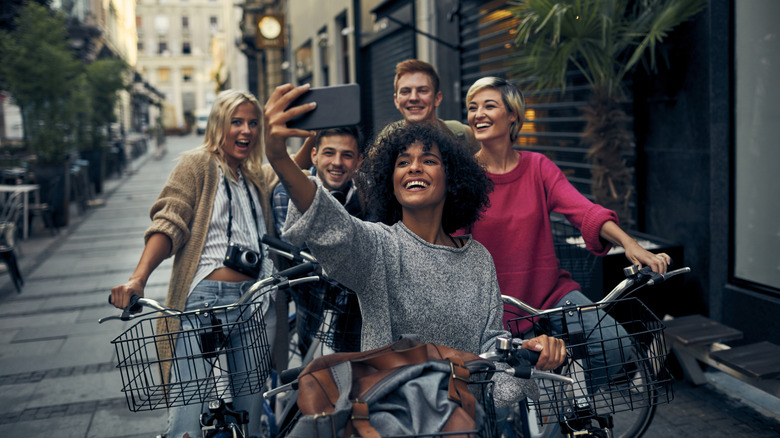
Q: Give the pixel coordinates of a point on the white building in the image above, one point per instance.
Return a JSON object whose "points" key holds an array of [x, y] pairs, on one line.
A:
{"points": [[184, 47]]}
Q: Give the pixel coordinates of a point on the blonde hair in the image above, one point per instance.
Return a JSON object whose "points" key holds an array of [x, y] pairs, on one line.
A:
{"points": [[218, 126], [511, 95]]}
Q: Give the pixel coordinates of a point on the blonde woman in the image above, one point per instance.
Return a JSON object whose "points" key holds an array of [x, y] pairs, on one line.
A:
{"points": [[217, 195], [528, 187]]}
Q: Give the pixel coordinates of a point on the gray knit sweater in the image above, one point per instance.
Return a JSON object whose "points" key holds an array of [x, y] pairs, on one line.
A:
{"points": [[405, 285]]}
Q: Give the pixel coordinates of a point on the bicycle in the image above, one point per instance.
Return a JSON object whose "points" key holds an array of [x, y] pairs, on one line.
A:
{"points": [[616, 399], [327, 310], [324, 321], [226, 352]]}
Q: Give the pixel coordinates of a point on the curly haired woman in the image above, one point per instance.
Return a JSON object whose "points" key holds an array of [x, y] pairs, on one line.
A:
{"points": [[411, 275]]}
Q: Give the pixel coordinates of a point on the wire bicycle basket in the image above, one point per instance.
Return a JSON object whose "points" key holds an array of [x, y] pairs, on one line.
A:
{"points": [[330, 312], [620, 372], [225, 353]]}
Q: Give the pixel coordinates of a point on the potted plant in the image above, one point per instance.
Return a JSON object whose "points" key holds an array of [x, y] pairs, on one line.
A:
{"points": [[604, 41]]}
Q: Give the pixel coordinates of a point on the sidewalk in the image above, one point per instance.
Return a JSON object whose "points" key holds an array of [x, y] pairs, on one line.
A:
{"points": [[57, 375]]}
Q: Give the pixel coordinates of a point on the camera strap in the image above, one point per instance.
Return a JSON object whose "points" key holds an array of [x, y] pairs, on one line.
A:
{"points": [[230, 210]]}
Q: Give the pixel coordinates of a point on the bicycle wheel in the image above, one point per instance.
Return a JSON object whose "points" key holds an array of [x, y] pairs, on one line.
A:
{"points": [[636, 386], [527, 421]]}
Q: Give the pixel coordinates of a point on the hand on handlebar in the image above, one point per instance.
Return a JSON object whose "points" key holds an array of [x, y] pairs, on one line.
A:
{"points": [[120, 295], [640, 256], [552, 351]]}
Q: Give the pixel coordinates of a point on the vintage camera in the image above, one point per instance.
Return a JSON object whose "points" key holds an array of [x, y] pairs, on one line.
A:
{"points": [[243, 260]]}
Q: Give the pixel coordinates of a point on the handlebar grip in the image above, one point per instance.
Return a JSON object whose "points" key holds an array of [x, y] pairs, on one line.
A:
{"points": [[279, 244], [289, 375], [528, 356], [297, 270], [522, 362], [133, 307]]}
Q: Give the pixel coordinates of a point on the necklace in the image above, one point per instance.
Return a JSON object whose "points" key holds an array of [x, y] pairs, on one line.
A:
{"points": [[452, 239]]}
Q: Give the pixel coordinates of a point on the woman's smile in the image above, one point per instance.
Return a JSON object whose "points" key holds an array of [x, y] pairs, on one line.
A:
{"points": [[418, 179]]}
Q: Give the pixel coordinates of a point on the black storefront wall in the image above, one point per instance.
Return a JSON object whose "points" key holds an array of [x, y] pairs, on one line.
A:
{"points": [[380, 57], [556, 126], [380, 48], [684, 119]]}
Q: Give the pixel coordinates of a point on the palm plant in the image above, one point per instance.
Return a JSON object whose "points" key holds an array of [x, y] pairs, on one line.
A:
{"points": [[604, 40]]}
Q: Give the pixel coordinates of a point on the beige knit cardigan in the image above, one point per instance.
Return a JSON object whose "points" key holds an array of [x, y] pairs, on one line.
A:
{"points": [[183, 213]]}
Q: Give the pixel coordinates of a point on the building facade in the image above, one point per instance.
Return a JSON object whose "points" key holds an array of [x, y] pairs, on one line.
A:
{"points": [[106, 29], [187, 50]]}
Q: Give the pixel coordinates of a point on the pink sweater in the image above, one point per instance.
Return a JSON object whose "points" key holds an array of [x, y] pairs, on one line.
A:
{"points": [[516, 229]]}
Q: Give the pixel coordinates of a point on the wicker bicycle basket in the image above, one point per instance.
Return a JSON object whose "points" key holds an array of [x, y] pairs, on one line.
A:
{"points": [[221, 354], [618, 366], [330, 312]]}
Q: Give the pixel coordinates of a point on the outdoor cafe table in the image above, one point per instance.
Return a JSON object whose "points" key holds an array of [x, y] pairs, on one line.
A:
{"points": [[25, 189]]}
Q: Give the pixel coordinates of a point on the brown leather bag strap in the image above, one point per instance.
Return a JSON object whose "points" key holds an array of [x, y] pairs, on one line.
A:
{"points": [[458, 390], [360, 420], [390, 359]]}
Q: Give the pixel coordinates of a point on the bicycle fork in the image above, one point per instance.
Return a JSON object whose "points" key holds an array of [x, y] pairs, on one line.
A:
{"points": [[215, 423], [578, 415]]}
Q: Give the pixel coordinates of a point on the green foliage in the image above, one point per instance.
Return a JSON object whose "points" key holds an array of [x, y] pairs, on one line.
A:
{"points": [[603, 39], [43, 76], [105, 78]]}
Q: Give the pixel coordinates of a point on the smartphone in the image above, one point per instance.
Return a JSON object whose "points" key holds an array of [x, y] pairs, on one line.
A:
{"points": [[337, 105]]}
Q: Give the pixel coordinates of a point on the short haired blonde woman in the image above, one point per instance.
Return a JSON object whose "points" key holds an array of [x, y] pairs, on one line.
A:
{"points": [[528, 187], [217, 193]]}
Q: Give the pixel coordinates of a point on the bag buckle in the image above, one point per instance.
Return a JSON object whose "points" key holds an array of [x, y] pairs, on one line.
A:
{"points": [[363, 408], [462, 373], [327, 416]]}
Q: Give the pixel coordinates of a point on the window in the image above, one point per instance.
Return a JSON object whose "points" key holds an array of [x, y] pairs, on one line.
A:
{"points": [[162, 48], [164, 74], [161, 24], [756, 204], [140, 46], [185, 48], [342, 47], [303, 63], [213, 24], [185, 23], [138, 22], [187, 74], [322, 42]]}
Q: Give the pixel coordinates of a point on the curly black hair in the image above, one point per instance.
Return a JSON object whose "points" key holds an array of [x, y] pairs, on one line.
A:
{"points": [[468, 185]]}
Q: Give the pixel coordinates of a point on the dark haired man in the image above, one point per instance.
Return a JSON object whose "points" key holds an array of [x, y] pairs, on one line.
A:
{"points": [[336, 155]]}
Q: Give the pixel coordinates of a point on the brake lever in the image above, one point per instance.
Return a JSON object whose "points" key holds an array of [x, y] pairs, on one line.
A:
{"points": [[131, 309]]}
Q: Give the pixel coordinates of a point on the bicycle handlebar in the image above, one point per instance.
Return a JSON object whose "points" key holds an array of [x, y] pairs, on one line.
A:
{"points": [[288, 380], [634, 277], [520, 360], [280, 280], [287, 250]]}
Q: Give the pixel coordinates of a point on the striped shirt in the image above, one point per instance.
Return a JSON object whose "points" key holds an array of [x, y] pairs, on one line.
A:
{"points": [[244, 231]]}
